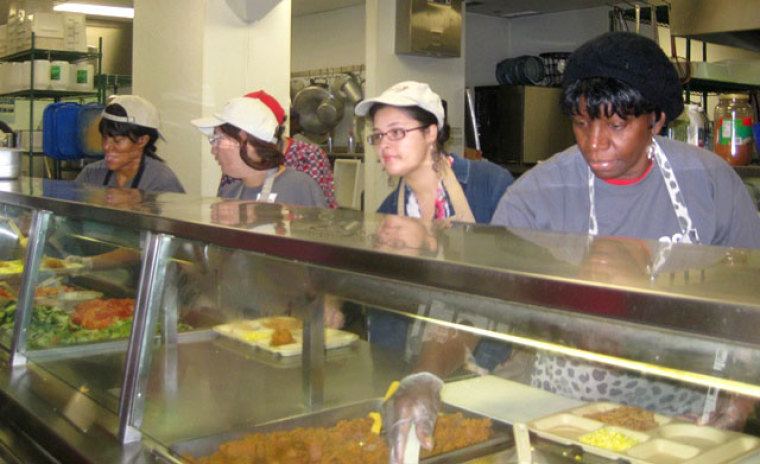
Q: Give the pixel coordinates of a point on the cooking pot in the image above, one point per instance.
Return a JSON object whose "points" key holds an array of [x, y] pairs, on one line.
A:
{"points": [[10, 163], [318, 109], [349, 87], [330, 110]]}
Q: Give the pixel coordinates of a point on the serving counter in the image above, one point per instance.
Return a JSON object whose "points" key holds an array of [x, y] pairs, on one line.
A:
{"points": [[145, 327]]}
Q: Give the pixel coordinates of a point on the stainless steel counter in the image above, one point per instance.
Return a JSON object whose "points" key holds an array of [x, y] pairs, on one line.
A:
{"points": [[662, 311]]}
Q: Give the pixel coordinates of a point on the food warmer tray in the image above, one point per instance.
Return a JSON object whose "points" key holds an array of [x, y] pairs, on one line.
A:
{"points": [[501, 436]]}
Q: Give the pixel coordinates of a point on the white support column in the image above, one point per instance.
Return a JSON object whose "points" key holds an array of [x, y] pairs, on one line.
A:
{"points": [[190, 57]]}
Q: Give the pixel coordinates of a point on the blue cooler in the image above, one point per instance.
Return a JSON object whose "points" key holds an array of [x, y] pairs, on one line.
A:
{"points": [[49, 145], [89, 141], [66, 131]]}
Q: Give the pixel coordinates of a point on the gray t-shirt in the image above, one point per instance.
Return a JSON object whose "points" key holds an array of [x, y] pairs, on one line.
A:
{"points": [[292, 187], [554, 196], [156, 177]]}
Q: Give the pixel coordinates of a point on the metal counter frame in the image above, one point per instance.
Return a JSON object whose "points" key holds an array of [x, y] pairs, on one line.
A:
{"points": [[515, 281]]}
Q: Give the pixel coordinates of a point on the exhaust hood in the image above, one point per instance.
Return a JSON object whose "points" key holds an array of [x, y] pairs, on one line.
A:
{"points": [[735, 23]]}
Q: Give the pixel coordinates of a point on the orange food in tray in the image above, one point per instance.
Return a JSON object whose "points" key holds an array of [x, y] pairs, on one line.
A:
{"points": [[348, 442], [282, 337], [7, 293], [626, 416], [53, 290], [101, 313], [53, 263]]}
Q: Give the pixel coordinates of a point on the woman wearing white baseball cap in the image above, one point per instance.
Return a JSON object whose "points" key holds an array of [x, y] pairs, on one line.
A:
{"points": [[410, 131], [243, 137], [129, 127]]}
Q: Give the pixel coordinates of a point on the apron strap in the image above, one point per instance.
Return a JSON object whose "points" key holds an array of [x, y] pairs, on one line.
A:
{"points": [[462, 210], [266, 188], [688, 231]]}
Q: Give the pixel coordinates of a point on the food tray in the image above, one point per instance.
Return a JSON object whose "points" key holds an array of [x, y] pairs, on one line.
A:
{"points": [[16, 267], [671, 441], [256, 332], [252, 352], [501, 434]]}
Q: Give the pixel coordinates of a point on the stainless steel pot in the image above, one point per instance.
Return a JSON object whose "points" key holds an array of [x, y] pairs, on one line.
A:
{"points": [[330, 110], [10, 163], [349, 87], [318, 109]]}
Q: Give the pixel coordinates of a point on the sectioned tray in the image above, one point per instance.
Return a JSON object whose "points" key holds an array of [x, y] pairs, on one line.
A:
{"points": [[256, 333], [671, 441], [501, 434]]}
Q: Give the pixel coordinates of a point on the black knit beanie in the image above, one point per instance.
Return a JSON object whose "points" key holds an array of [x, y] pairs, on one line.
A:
{"points": [[633, 59]]}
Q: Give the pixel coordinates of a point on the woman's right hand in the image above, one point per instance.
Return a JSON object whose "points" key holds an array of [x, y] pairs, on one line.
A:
{"points": [[416, 401]]}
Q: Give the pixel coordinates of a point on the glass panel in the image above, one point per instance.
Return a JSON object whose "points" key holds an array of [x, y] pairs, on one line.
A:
{"points": [[514, 362], [14, 228], [242, 363], [84, 301]]}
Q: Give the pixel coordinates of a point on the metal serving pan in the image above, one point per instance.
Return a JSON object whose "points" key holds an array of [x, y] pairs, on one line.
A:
{"points": [[501, 436]]}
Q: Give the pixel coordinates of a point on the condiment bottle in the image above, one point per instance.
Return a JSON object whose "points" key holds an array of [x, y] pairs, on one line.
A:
{"points": [[733, 129]]}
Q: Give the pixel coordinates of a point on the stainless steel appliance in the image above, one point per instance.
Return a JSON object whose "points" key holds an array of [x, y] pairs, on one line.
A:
{"points": [[429, 27], [521, 124]]}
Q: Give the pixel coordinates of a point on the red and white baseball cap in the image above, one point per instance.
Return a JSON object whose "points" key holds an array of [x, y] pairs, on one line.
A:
{"points": [[250, 114], [271, 102]]}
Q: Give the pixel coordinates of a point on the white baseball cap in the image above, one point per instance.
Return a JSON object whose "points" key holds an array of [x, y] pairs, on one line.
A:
{"points": [[407, 93], [140, 111], [246, 113]]}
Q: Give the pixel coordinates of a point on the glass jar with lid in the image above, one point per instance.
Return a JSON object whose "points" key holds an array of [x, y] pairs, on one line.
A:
{"points": [[733, 129]]}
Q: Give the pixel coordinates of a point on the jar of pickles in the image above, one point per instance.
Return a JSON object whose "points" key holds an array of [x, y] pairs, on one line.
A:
{"points": [[733, 129]]}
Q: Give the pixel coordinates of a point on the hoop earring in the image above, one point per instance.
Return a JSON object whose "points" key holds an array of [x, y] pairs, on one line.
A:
{"points": [[650, 154]]}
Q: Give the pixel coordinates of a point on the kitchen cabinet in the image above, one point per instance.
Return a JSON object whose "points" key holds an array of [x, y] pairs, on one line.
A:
{"points": [[683, 316]]}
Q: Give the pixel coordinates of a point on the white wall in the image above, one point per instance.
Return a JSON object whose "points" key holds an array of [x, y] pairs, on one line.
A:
{"points": [[189, 64], [331, 39], [117, 44], [487, 42], [385, 68], [557, 32]]}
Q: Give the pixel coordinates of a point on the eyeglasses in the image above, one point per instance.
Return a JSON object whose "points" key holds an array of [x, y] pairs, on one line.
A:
{"points": [[392, 134], [212, 139]]}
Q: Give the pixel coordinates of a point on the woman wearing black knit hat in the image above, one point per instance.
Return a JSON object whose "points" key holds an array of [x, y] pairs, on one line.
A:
{"points": [[621, 179]]}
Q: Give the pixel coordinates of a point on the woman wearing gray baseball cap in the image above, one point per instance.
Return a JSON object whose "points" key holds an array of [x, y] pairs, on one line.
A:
{"points": [[129, 128]]}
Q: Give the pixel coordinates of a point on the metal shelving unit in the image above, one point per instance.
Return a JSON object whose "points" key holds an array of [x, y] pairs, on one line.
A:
{"points": [[56, 95]]}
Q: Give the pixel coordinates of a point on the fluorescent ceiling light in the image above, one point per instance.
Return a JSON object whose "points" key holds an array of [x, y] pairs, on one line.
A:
{"points": [[96, 10]]}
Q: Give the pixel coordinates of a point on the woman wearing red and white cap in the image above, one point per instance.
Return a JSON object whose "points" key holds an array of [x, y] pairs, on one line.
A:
{"points": [[302, 156], [243, 137]]}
